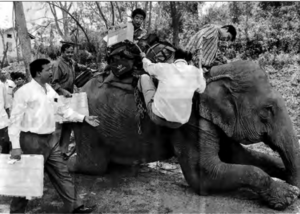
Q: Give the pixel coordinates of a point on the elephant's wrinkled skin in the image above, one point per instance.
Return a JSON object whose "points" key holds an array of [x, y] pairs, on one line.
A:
{"points": [[234, 110]]}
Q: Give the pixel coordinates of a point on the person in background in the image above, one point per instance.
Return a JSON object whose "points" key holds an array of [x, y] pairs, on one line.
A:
{"points": [[32, 131], [4, 120], [19, 80], [205, 45], [170, 104], [138, 17], [63, 83], [9, 85]]}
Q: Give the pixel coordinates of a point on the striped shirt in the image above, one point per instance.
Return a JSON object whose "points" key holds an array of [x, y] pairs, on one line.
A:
{"points": [[207, 39]]}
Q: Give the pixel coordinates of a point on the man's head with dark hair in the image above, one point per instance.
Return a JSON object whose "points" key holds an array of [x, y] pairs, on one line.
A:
{"points": [[228, 32], [181, 54], [64, 47], [17, 75], [3, 76], [18, 78], [138, 16], [67, 51], [41, 69]]}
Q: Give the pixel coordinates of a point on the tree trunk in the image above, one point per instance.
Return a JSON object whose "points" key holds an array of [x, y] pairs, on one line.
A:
{"points": [[112, 13], [103, 17], [5, 49], [119, 11], [150, 17], [235, 11], [77, 22], [145, 9], [175, 23], [247, 17], [158, 17], [23, 36], [53, 11], [66, 23]]}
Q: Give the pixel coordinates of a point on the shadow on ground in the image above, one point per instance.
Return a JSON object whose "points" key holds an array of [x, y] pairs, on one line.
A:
{"points": [[158, 188]]}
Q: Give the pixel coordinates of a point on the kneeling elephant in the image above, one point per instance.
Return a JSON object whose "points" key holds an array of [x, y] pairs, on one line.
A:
{"points": [[238, 107]]}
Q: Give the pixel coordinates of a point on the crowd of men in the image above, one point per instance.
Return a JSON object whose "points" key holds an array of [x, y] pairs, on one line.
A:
{"points": [[28, 126]]}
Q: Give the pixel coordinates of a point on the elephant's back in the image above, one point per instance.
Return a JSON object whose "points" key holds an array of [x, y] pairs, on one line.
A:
{"points": [[119, 125]]}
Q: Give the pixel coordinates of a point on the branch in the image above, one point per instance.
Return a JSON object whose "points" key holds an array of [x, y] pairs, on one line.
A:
{"points": [[41, 26], [4, 55], [120, 12], [113, 13], [60, 4], [103, 17], [79, 25], [55, 18], [70, 6], [150, 16]]}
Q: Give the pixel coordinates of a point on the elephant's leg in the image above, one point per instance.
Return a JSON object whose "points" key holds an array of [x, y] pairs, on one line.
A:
{"points": [[207, 174], [92, 155], [85, 164], [235, 153]]}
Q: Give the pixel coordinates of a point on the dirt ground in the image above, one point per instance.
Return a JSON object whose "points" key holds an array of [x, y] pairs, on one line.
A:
{"points": [[161, 188], [158, 188]]}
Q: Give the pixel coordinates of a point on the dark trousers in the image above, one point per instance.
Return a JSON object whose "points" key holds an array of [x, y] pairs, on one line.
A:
{"points": [[56, 168], [4, 141], [66, 129]]}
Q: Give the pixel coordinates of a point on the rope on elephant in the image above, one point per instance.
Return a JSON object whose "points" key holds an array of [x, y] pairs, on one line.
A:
{"points": [[215, 78], [140, 108]]}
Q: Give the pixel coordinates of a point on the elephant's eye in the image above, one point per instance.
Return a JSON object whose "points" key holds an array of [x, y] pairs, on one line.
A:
{"points": [[266, 112], [270, 109]]}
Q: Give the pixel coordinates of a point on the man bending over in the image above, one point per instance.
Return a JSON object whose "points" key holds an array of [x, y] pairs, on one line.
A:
{"points": [[170, 104]]}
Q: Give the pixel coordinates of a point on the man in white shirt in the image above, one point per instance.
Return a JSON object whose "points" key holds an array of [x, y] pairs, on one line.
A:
{"points": [[32, 131], [4, 121], [171, 103], [10, 85]]}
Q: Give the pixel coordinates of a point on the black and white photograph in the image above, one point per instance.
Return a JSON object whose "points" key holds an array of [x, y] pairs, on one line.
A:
{"points": [[150, 107]]}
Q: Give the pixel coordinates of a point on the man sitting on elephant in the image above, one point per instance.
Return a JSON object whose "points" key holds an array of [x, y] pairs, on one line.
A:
{"points": [[206, 43], [138, 17], [171, 104]]}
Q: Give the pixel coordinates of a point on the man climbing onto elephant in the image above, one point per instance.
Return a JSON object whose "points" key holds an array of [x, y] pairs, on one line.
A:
{"points": [[171, 104], [206, 43]]}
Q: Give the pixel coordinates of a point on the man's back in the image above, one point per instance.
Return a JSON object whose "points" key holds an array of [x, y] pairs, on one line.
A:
{"points": [[177, 84], [207, 39]]}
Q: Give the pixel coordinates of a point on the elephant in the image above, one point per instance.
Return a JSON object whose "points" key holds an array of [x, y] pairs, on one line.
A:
{"points": [[239, 107]]}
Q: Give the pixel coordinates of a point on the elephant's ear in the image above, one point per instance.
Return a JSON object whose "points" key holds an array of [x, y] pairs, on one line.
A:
{"points": [[217, 105]]}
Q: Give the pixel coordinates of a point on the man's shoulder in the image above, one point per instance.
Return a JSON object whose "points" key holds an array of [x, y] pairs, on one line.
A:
{"points": [[10, 83], [58, 62], [49, 87], [25, 89]]}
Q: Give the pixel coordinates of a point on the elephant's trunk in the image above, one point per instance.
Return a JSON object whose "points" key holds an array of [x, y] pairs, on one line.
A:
{"points": [[285, 141]]}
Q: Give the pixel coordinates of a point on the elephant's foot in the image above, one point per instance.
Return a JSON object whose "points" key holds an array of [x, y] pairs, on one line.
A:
{"points": [[234, 153], [280, 195]]}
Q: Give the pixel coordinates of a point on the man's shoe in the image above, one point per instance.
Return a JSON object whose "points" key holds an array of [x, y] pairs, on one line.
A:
{"points": [[83, 209]]}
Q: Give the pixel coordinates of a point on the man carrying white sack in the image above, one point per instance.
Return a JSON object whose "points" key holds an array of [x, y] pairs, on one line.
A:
{"points": [[32, 131]]}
